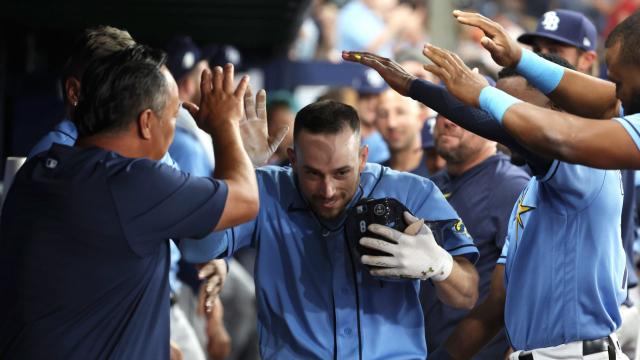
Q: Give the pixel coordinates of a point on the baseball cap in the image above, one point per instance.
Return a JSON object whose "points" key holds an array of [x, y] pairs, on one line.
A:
{"points": [[566, 26], [369, 82], [182, 56], [219, 55], [427, 133]]}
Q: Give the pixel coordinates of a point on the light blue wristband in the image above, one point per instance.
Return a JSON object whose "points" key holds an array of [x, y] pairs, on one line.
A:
{"points": [[496, 102], [542, 74]]}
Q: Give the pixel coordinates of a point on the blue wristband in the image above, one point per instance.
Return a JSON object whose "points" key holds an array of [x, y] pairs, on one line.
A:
{"points": [[541, 73], [496, 102]]}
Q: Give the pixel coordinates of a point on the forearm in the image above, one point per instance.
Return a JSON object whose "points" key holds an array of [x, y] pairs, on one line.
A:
{"points": [[571, 138], [235, 168], [574, 92], [460, 289], [472, 119]]}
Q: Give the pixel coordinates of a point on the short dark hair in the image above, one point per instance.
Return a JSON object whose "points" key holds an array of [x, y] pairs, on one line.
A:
{"points": [[118, 87], [511, 72], [326, 117], [93, 43], [628, 34]]}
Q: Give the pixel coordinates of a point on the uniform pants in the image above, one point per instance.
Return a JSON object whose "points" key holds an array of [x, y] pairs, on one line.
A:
{"points": [[570, 351]]}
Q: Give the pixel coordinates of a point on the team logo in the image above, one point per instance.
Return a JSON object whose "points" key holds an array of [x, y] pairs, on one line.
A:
{"points": [[379, 210], [460, 228], [51, 163], [188, 60], [550, 21], [586, 42]]}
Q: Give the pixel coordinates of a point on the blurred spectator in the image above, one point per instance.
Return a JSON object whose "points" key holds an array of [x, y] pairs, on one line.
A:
{"points": [[400, 120], [371, 25], [615, 12], [369, 86], [281, 111]]}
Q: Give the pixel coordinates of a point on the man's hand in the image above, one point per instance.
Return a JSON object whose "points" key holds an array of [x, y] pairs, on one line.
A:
{"points": [[257, 141], [397, 78], [219, 345], [461, 81], [504, 50], [214, 273], [414, 253], [174, 352], [220, 104]]}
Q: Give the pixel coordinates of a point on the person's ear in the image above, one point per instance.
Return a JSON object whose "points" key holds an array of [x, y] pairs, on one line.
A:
{"points": [[364, 155], [586, 61], [291, 154], [72, 90], [145, 122]]}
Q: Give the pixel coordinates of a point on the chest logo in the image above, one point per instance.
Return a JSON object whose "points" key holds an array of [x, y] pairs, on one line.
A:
{"points": [[522, 209]]}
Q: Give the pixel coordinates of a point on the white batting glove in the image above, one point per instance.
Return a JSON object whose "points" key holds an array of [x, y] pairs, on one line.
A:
{"points": [[414, 253]]}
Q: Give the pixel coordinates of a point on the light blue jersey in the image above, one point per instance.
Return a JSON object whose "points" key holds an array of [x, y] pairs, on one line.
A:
{"points": [[315, 299], [565, 271]]}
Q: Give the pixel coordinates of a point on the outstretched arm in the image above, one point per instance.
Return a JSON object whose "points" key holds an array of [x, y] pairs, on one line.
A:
{"points": [[558, 135], [577, 93], [439, 99]]}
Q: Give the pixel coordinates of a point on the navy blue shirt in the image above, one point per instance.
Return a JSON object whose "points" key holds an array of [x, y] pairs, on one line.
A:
{"points": [[84, 255], [483, 196], [421, 170]]}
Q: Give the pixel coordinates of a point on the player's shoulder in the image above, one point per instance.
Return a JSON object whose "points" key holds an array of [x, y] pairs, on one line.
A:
{"points": [[376, 177]]}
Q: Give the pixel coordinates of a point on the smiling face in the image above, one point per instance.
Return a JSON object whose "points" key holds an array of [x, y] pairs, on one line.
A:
{"points": [[626, 76], [328, 167], [399, 120]]}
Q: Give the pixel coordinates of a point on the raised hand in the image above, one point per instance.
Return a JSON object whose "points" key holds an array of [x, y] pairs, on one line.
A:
{"points": [[397, 77], [504, 50], [461, 81], [258, 143], [221, 104]]}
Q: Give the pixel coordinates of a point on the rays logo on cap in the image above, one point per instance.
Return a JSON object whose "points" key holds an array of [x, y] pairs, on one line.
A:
{"points": [[586, 42], [550, 21], [188, 60], [374, 78]]}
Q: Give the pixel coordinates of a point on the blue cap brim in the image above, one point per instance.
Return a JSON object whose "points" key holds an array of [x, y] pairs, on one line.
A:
{"points": [[528, 39]]}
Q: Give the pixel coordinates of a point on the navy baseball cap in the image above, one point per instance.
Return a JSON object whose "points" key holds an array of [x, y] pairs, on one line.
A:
{"points": [[369, 82], [182, 56], [565, 26]]}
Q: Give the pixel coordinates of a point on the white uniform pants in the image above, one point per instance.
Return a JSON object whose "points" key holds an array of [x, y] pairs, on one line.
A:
{"points": [[570, 351]]}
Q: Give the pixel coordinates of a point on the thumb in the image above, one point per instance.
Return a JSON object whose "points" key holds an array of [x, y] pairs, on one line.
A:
{"points": [[192, 108], [490, 45], [277, 138]]}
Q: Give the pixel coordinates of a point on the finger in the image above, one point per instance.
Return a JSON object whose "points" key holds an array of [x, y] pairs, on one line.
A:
{"points": [[205, 82], [249, 104], [437, 71], [261, 105], [191, 108], [242, 86], [489, 27], [387, 232], [489, 44], [227, 83], [409, 218], [414, 228], [276, 139], [206, 271], [371, 60], [388, 272], [440, 57], [217, 78], [381, 261], [378, 244]]}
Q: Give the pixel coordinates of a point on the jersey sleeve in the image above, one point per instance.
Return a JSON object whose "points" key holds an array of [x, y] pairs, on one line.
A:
{"points": [[631, 124], [156, 202], [502, 260], [247, 234], [445, 223], [63, 133], [573, 187]]}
